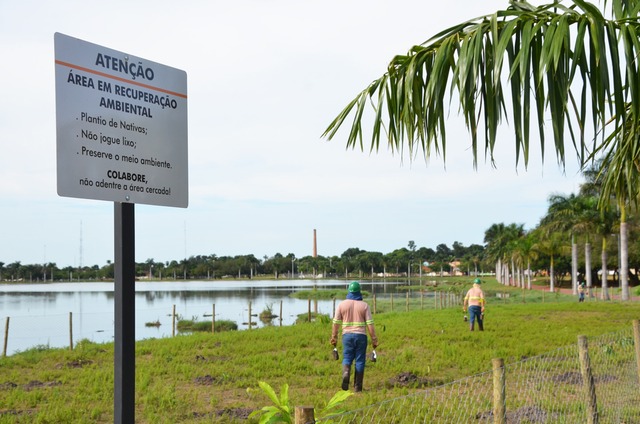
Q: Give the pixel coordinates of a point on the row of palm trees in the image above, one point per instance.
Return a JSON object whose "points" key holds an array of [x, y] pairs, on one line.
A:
{"points": [[570, 219]]}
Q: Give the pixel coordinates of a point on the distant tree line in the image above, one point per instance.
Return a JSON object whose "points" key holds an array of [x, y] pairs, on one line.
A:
{"points": [[355, 262]]}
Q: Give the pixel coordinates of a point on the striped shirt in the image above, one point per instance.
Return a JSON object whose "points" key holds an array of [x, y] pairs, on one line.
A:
{"points": [[354, 316]]}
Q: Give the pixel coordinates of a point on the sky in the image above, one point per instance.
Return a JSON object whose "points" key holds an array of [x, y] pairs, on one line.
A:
{"points": [[265, 78]]}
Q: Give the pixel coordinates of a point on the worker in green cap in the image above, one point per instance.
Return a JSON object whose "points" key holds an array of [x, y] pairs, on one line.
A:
{"points": [[354, 317], [475, 301]]}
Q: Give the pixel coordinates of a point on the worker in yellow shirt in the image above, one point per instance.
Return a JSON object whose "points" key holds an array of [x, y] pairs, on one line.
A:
{"points": [[474, 300]]}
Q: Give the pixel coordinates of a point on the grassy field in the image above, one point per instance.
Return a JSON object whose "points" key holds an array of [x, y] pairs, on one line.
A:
{"points": [[214, 377]]}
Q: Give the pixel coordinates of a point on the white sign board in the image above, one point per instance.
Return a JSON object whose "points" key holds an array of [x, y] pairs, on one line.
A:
{"points": [[121, 126]]}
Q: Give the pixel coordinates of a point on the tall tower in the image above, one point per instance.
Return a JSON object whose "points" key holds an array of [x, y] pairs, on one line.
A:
{"points": [[315, 244]]}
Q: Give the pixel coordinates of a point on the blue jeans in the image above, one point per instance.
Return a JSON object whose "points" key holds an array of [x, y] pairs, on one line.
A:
{"points": [[475, 312], [354, 347]]}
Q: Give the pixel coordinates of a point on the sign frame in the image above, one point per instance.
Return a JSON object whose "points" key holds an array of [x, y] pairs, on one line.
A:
{"points": [[121, 126]]}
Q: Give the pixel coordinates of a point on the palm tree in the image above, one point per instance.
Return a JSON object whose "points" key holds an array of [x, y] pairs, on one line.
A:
{"points": [[566, 59], [501, 243], [494, 248], [620, 182], [570, 60], [605, 228], [551, 244], [525, 252], [572, 213]]}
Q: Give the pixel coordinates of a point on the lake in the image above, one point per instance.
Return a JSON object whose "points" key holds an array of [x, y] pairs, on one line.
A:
{"points": [[39, 314]]}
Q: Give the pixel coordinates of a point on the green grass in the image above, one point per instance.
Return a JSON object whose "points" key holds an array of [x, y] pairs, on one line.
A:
{"points": [[201, 377]]}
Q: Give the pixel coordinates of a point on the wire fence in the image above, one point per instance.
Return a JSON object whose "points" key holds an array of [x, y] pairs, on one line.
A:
{"points": [[594, 382]]}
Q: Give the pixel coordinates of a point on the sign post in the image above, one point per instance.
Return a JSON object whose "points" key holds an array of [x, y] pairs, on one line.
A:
{"points": [[121, 136], [124, 356]]}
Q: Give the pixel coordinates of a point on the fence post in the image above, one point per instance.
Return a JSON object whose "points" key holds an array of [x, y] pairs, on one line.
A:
{"points": [[407, 303], [375, 306], [250, 314], [587, 381], [304, 415], [499, 392], [70, 330], [309, 310], [6, 337], [213, 318], [173, 322], [636, 339], [334, 306], [391, 302], [421, 299]]}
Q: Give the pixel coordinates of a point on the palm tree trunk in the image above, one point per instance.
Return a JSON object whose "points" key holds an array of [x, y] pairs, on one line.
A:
{"points": [[624, 261], [587, 267], [529, 274], [514, 274], [574, 266], [552, 285], [605, 276]]}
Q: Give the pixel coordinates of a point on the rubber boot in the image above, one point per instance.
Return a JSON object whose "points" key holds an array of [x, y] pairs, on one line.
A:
{"points": [[480, 326], [357, 386], [471, 327], [346, 375]]}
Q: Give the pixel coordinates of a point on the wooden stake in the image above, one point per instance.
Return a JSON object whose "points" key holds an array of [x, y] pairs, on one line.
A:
{"points": [[70, 330], [499, 392], [6, 337], [587, 381]]}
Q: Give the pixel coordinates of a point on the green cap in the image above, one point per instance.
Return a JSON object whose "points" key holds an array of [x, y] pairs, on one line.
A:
{"points": [[477, 281], [354, 287]]}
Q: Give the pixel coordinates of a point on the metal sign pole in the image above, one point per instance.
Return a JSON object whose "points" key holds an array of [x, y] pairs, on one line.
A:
{"points": [[124, 299]]}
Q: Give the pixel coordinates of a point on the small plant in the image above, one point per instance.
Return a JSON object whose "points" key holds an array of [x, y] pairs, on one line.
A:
{"points": [[188, 326], [266, 316], [155, 323], [281, 412], [226, 325], [315, 317]]}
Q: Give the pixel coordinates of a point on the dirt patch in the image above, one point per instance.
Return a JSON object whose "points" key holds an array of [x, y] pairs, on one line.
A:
{"points": [[526, 414], [35, 384], [576, 378], [605, 378], [568, 378], [207, 380], [409, 379], [8, 386], [79, 363], [200, 358], [14, 413], [233, 413], [242, 413]]}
